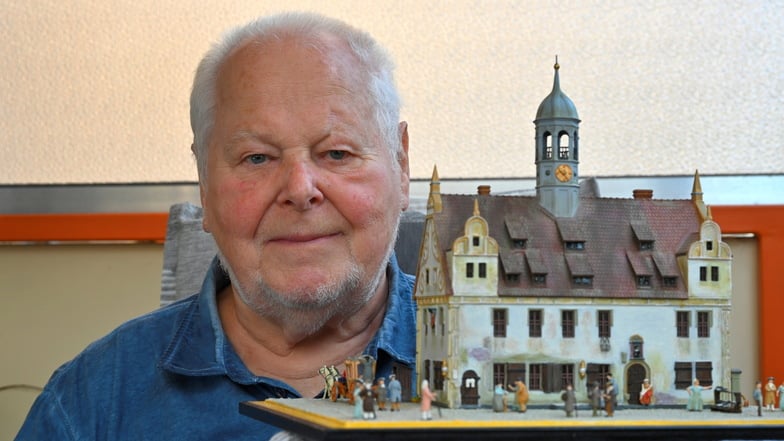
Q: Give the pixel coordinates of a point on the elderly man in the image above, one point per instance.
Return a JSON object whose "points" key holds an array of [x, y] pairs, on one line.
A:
{"points": [[303, 173]]}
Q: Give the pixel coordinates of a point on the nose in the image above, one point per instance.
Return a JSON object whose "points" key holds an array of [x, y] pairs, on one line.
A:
{"points": [[300, 187]]}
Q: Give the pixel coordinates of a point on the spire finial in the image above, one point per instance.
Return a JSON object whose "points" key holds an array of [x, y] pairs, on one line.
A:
{"points": [[557, 66]]}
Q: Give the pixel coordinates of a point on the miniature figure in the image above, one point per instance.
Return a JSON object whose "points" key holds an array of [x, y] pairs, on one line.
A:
{"points": [[595, 394], [646, 393], [427, 400], [395, 393], [368, 402], [780, 394], [499, 399], [570, 401], [610, 396], [358, 411], [380, 391], [695, 396], [770, 394], [521, 395], [757, 396]]}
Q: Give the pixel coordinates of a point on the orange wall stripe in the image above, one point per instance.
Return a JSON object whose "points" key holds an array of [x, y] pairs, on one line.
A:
{"points": [[767, 223], [83, 227]]}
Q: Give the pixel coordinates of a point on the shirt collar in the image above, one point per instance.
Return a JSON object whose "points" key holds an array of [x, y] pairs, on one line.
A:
{"points": [[199, 346]]}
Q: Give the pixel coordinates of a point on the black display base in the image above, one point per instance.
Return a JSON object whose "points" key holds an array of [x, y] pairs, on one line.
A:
{"points": [[319, 420]]}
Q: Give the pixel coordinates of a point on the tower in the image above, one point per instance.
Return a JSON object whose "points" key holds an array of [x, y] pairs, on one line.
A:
{"points": [[557, 137]]}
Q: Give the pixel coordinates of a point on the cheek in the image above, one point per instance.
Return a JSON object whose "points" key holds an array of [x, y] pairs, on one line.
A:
{"points": [[237, 207]]}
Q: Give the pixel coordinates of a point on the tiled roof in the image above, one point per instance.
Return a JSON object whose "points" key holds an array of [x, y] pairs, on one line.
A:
{"points": [[610, 228]]}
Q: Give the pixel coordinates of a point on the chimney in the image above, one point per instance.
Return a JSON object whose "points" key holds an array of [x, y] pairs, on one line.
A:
{"points": [[642, 194], [483, 190]]}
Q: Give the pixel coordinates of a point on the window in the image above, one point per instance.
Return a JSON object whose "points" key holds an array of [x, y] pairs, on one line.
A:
{"points": [[597, 372], [427, 277], [714, 273], [535, 323], [499, 374], [682, 323], [643, 281], [548, 146], [469, 270], [604, 321], [563, 146], [703, 324], [551, 377], [539, 279], [709, 245], [513, 277], [703, 370], [582, 280], [646, 245], [669, 282], [438, 377], [575, 245], [535, 377], [567, 323], [499, 322], [514, 372], [683, 376], [482, 270], [476, 240], [687, 371], [518, 243], [567, 375], [703, 274]]}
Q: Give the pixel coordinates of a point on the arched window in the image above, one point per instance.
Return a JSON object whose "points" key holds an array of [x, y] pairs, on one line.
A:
{"points": [[563, 145], [547, 144]]}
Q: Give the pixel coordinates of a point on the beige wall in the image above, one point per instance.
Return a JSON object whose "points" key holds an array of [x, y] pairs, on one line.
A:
{"points": [[56, 299], [97, 91]]}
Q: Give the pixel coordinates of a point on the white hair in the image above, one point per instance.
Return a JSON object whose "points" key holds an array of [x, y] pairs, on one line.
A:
{"points": [[374, 63]]}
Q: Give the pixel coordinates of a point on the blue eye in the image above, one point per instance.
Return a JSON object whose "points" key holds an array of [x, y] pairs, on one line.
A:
{"points": [[337, 154], [257, 158]]}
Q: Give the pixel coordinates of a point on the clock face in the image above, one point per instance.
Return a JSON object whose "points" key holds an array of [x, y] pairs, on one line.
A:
{"points": [[563, 173]]}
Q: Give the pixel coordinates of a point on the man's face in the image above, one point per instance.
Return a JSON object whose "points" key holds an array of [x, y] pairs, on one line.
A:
{"points": [[301, 195]]}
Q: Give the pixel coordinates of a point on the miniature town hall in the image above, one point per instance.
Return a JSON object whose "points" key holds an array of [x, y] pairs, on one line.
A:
{"points": [[565, 286]]}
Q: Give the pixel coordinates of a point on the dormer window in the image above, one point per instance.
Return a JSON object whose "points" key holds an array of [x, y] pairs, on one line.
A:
{"points": [[538, 279], [669, 282], [643, 281], [646, 245], [576, 245], [518, 244], [582, 281]]}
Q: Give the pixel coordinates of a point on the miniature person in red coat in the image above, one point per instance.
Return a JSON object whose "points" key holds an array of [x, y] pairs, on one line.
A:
{"points": [[427, 400], [646, 393]]}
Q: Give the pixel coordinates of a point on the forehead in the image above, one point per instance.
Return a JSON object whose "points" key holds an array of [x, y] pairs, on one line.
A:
{"points": [[287, 66]]}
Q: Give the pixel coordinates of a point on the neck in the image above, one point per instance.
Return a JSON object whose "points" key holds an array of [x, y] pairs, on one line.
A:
{"points": [[275, 350]]}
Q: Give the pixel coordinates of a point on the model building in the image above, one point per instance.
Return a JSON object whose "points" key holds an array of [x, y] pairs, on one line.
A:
{"points": [[565, 287]]}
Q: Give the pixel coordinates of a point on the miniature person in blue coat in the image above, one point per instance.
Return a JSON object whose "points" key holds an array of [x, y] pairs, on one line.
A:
{"points": [[395, 393], [303, 175]]}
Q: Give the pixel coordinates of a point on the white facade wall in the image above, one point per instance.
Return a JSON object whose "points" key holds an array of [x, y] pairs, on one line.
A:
{"points": [[477, 349]]}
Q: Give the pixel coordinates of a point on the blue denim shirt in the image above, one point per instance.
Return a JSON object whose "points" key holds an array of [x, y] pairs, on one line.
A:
{"points": [[172, 374]]}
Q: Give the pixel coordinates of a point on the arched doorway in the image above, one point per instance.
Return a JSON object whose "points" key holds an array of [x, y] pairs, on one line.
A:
{"points": [[635, 373], [469, 389]]}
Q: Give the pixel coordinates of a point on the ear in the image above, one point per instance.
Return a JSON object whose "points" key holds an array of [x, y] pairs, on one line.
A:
{"points": [[405, 174], [202, 195]]}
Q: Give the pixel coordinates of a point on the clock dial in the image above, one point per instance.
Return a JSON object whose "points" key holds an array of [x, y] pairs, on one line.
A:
{"points": [[563, 173]]}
